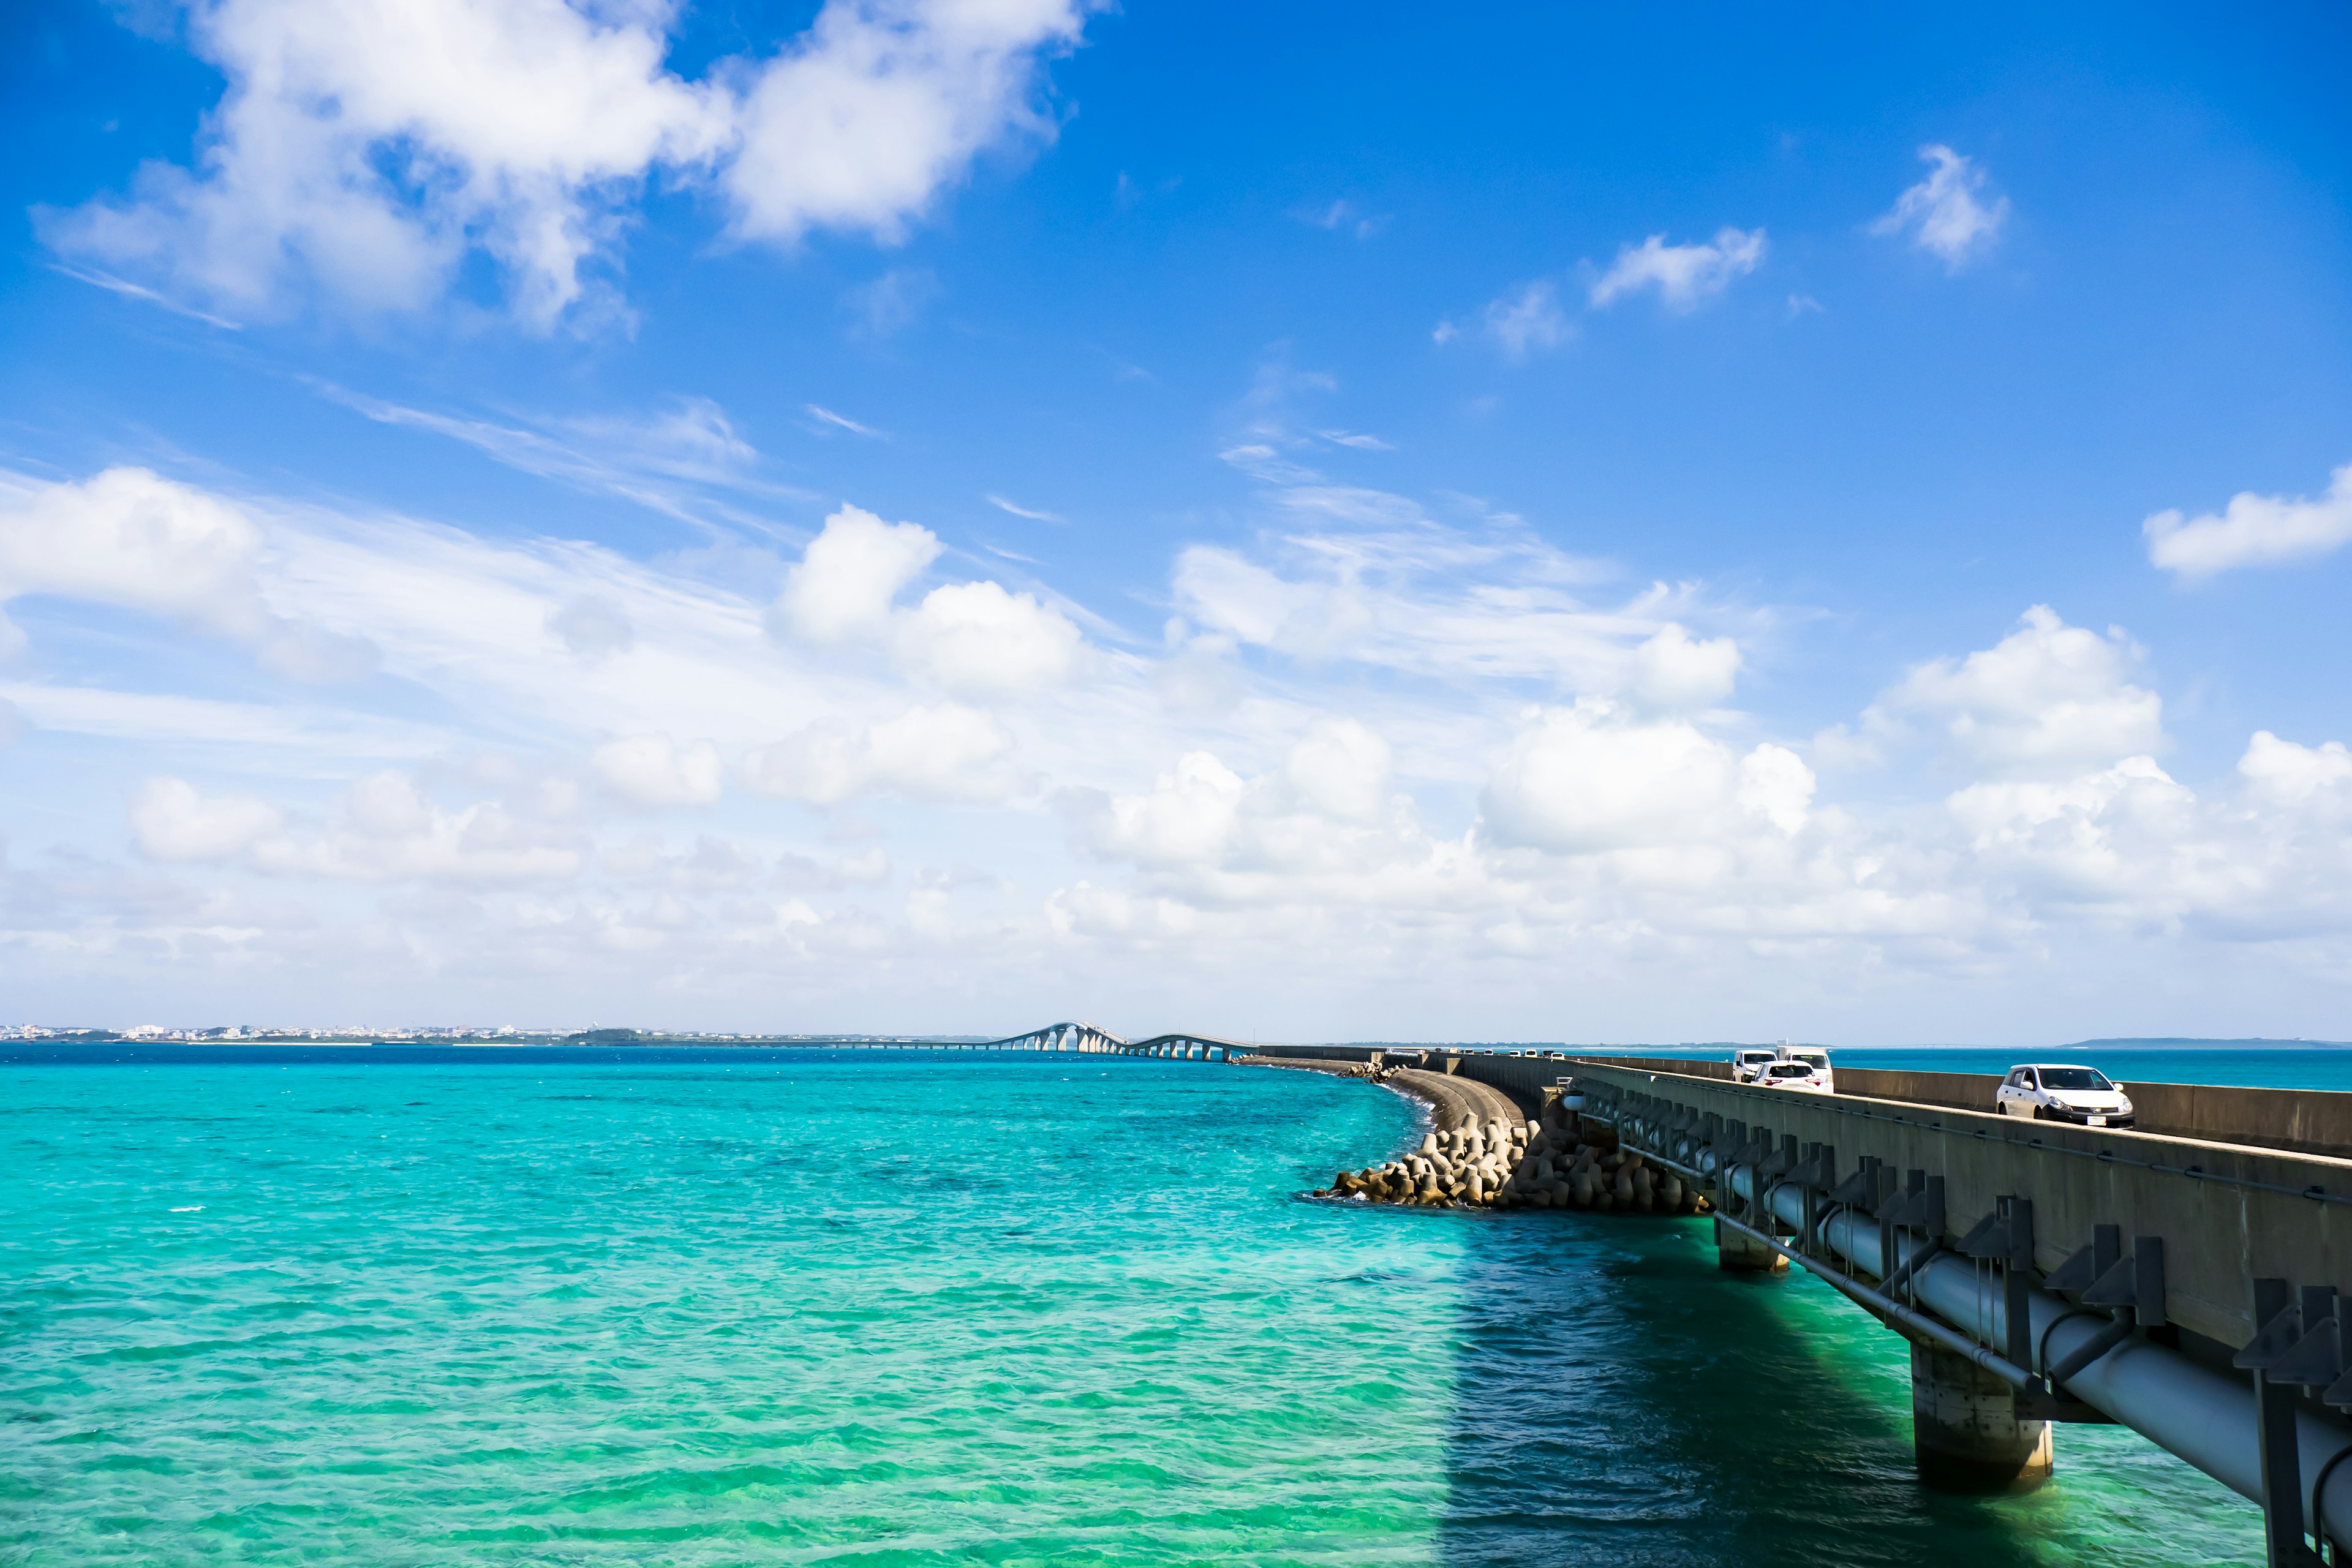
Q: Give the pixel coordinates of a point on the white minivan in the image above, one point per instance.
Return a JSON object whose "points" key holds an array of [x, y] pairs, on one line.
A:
{"points": [[1747, 1063], [2064, 1091]]}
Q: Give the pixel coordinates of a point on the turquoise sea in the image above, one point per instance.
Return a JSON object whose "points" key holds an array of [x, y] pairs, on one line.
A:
{"points": [[653, 1305]]}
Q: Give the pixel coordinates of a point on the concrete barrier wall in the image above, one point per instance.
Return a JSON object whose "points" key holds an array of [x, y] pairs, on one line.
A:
{"points": [[2310, 1121], [1961, 1090], [2314, 1122]]}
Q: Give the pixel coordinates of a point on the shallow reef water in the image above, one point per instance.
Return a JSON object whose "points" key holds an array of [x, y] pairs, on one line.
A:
{"points": [[720, 1307]]}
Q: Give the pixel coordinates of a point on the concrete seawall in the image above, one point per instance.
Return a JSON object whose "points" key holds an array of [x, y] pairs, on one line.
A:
{"points": [[1453, 1102]]}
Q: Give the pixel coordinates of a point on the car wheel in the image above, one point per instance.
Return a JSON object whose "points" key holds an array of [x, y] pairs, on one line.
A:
{"points": [[2040, 1114]]}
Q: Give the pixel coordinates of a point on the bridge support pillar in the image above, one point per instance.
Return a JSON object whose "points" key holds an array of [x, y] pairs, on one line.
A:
{"points": [[1735, 1251], [1964, 1428]]}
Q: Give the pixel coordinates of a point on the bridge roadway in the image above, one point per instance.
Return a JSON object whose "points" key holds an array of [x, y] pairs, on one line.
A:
{"points": [[2180, 1278]]}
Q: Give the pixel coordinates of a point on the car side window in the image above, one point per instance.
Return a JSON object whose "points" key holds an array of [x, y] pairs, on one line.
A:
{"points": [[2032, 1078]]}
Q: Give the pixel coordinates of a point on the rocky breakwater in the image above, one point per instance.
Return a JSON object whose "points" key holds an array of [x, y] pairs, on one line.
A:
{"points": [[1477, 1157]]}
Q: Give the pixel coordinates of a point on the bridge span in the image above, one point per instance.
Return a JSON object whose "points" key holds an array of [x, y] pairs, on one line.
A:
{"points": [[2180, 1278], [1092, 1040]]}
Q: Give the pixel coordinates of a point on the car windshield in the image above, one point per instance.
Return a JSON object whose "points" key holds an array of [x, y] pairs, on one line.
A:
{"points": [[2075, 1078]]}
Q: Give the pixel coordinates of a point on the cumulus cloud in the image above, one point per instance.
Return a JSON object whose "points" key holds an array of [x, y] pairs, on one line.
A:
{"points": [[1593, 778], [844, 582], [2048, 696], [1673, 669], [367, 149], [1273, 833], [941, 753], [2284, 772], [860, 122], [1775, 785], [979, 638], [1184, 818], [2253, 531], [128, 537], [653, 771], [1942, 213], [1685, 276]]}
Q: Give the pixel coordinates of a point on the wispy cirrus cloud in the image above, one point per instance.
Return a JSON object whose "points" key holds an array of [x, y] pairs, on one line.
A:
{"points": [[1017, 510], [826, 417], [1944, 213], [1684, 275], [669, 461]]}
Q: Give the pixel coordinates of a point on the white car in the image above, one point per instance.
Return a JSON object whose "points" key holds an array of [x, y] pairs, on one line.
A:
{"points": [[1796, 1075], [2062, 1091], [1819, 1061], [1746, 1063]]}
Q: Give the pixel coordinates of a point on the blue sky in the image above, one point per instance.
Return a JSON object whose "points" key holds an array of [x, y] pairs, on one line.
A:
{"points": [[1548, 524]]}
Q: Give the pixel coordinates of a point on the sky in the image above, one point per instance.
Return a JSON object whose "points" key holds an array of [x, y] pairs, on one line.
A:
{"points": [[1311, 523]]}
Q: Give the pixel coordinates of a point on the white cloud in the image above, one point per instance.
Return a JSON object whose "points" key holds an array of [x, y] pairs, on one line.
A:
{"points": [[130, 537], [1685, 276], [2284, 772], [2047, 696], [974, 638], [1526, 318], [1341, 217], [859, 123], [1342, 770], [1942, 212], [665, 460], [173, 821], [1368, 579], [592, 628], [1001, 504], [2254, 531], [388, 829], [892, 302], [845, 580], [979, 638], [1624, 836], [653, 771], [1184, 818], [828, 418], [1591, 778], [365, 150], [941, 753], [1775, 785], [1674, 670]]}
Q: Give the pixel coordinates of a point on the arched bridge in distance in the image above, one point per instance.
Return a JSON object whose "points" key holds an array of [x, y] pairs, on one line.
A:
{"points": [[1089, 1039]]}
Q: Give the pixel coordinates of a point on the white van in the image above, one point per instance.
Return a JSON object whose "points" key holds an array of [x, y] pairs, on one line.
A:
{"points": [[1747, 1063]]}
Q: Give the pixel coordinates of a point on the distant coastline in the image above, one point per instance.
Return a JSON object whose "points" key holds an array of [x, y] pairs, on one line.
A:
{"points": [[618, 1039]]}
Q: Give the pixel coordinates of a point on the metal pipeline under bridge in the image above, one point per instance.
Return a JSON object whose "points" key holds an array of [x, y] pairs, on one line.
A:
{"points": [[2085, 1274]]}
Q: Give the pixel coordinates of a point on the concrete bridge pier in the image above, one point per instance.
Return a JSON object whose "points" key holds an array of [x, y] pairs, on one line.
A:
{"points": [[1738, 1253], [1965, 1431]]}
